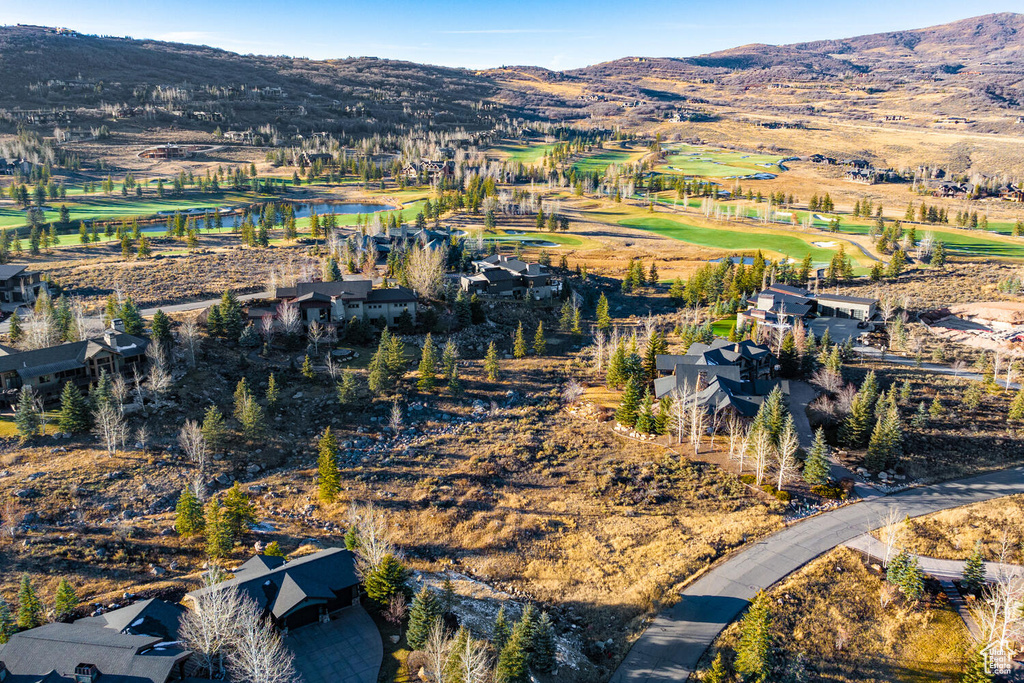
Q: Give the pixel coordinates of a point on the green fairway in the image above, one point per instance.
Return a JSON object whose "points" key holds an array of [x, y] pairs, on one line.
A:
{"points": [[735, 240], [968, 243], [723, 327], [600, 162], [525, 154], [714, 163]]}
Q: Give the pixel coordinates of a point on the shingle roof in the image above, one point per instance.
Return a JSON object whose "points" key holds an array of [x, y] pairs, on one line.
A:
{"points": [[61, 647], [846, 299], [7, 272], [392, 295], [53, 359], [312, 578], [152, 617]]}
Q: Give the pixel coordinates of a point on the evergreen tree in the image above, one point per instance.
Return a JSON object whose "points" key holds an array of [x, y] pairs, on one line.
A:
{"points": [[30, 609], [886, 443], [273, 549], [239, 513], [645, 420], [519, 344], [428, 365], [491, 366], [501, 632], [974, 570], [74, 410], [273, 392], [512, 661], [188, 514], [911, 581], [65, 601], [753, 652], [161, 328], [328, 476], [789, 360], [307, 368], [26, 416], [920, 418], [232, 320], [16, 333], [386, 580], [213, 428], [7, 625], [677, 292], [604, 320], [351, 539], [218, 539], [1017, 407], [976, 671], [132, 319], [629, 406], [543, 659], [423, 613], [816, 468], [540, 344], [717, 673]]}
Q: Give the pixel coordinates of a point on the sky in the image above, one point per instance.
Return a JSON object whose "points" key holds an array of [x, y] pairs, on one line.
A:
{"points": [[489, 33]]}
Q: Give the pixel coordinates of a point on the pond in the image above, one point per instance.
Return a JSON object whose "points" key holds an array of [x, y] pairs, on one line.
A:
{"points": [[305, 210]]}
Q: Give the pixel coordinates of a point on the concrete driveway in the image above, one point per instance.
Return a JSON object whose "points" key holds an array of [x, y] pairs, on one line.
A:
{"points": [[840, 329], [346, 650], [673, 644]]}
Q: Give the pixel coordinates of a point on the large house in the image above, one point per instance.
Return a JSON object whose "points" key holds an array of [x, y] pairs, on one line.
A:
{"points": [[18, 285], [744, 399], [151, 617], [340, 301], [507, 276], [89, 653], [47, 370], [781, 305], [303, 591], [741, 365]]}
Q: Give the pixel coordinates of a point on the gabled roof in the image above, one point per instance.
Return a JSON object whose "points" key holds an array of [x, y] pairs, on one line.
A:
{"points": [[7, 272], [309, 579], [152, 617], [53, 359], [34, 654]]}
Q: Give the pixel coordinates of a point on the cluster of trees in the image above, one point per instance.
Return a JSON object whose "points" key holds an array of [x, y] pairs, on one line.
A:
{"points": [[222, 522], [823, 204], [637, 277], [874, 421], [31, 612]]}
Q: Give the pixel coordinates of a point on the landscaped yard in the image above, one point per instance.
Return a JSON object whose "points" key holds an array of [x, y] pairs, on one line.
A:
{"points": [[715, 163]]}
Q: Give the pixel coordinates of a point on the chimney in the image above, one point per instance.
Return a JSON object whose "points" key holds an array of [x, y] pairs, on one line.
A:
{"points": [[86, 673]]}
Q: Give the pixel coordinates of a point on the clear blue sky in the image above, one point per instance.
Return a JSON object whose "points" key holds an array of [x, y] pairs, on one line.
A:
{"points": [[482, 33]]}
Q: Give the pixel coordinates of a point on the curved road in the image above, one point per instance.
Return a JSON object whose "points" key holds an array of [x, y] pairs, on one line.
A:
{"points": [[673, 644]]}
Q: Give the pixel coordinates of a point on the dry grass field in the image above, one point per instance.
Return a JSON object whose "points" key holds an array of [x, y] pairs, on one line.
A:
{"points": [[829, 624]]}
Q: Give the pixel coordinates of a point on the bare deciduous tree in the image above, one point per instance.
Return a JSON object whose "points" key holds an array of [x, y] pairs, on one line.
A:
{"points": [[315, 334], [426, 271], [572, 391], [681, 397], [395, 418], [698, 420], [438, 650], [159, 377], [267, 327], [374, 537], [761, 449], [192, 441], [891, 531], [256, 653], [110, 427], [209, 628], [785, 461], [288, 315], [190, 336], [474, 662]]}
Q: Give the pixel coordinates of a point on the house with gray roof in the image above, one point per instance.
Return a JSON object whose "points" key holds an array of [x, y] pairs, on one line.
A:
{"points": [[86, 653], [153, 617], [304, 591], [500, 276], [782, 305], [340, 301], [47, 370], [20, 286]]}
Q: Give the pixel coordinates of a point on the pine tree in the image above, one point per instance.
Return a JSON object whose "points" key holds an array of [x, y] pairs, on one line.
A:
{"points": [[886, 443], [936, 408], [519, 344], [273, 392], [7, 626], [753, 652], [645, 415], [604, 320], [627, 412], [239, 514], [911, 582], [16, 333], [501, 632], [65, 601], [161, 329], [328, 476], [307, 368], [976, 670], [351, 538], [1017, 407], [188, 514], [974, 570], [543, 659], [26, 416], [30, 609], [788, 358], [425, 610], [428, 365], [512, 661], [387, 579], [816, 468], [218, 539], [717, 673], [273, 549], [540, 344], [74, 410], [491, 366], [213, 428]]}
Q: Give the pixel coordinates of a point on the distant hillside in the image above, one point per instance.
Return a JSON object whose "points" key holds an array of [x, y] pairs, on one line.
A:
{"points": [[40, 67]]}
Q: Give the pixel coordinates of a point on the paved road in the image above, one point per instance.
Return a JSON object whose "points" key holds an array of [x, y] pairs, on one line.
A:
{"points": [[933, 566], [671, 647]]}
